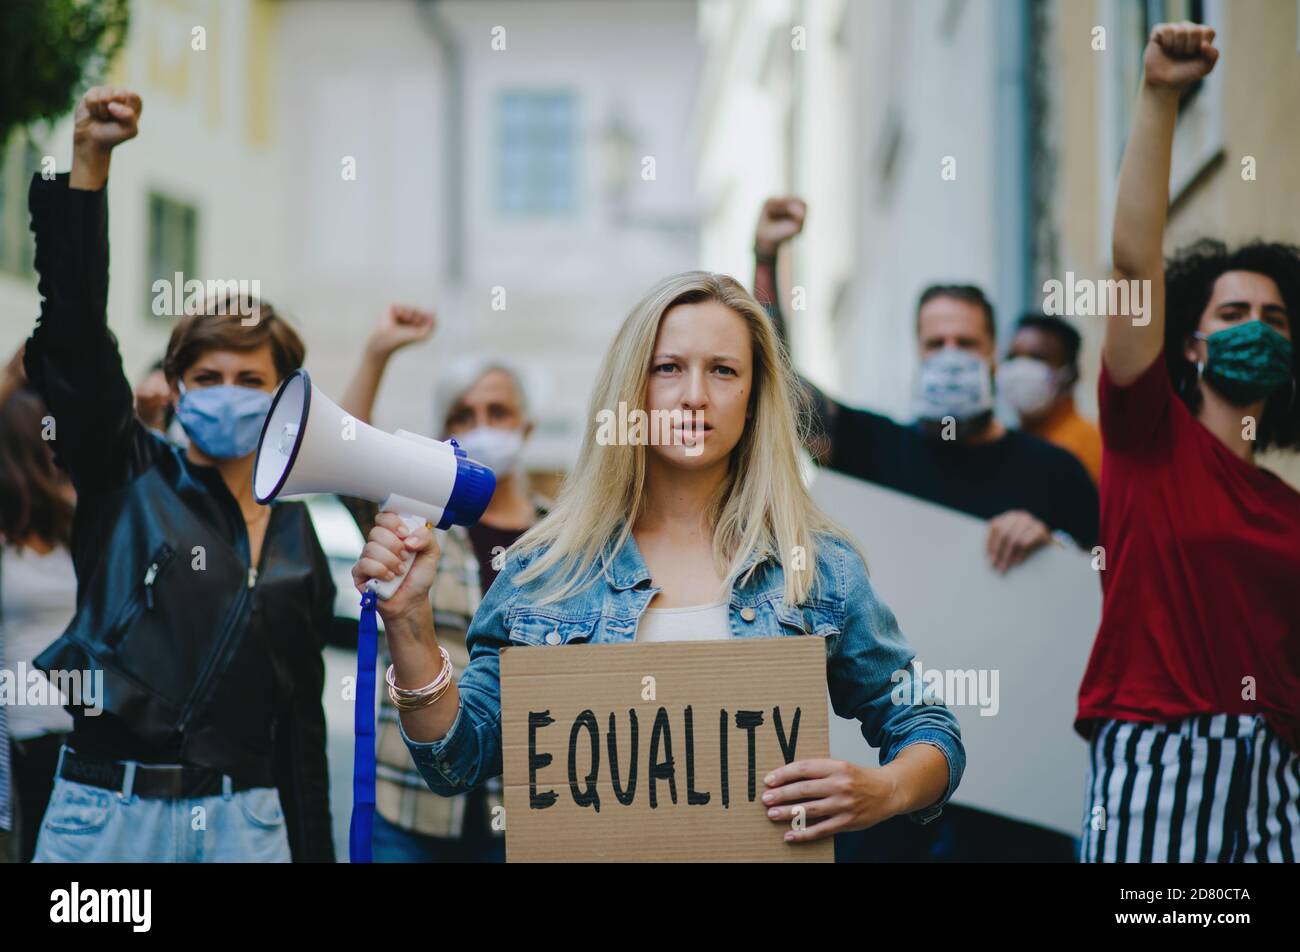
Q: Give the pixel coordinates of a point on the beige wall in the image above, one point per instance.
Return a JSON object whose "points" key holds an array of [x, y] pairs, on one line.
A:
{"points": [[1075, 120], [1262, 106]]}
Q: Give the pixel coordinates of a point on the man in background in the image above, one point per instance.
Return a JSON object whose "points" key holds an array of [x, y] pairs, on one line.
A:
{"points": [[1037, 380], [957, 455]]}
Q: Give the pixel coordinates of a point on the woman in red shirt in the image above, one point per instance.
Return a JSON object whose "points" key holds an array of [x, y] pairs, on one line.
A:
{"points": [[1191, 696]]}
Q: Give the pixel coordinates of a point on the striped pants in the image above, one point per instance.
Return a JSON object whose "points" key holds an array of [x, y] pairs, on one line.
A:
{"points": [[1210, 788]]}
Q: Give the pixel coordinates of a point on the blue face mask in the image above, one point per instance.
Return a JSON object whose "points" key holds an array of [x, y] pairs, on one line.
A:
{"points": [[224, 422]]}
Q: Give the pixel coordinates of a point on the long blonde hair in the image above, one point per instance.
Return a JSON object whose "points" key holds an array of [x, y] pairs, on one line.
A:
{"points": [[761, 507]]}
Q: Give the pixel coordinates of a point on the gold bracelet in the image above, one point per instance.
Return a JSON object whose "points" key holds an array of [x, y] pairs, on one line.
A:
{"points": [[414, 704], [411, 699], [443, 674]]}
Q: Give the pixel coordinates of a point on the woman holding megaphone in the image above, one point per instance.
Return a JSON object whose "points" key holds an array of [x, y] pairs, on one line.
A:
{"points": [[481, 402], [198, 733], [708, 535]]}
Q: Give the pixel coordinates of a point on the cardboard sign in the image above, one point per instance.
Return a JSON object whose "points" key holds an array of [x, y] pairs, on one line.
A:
{"points": [[657, 752], [1011, 648]]}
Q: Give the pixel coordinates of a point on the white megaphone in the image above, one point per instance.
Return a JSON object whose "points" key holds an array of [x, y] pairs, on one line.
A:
{"points": [[310, 445]]}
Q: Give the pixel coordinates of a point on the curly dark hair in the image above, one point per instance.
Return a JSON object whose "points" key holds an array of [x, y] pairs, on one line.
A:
{"points": [[1189, 283]]}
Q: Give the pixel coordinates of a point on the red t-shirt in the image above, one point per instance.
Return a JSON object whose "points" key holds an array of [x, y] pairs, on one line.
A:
{"points": [[1201, 587]]}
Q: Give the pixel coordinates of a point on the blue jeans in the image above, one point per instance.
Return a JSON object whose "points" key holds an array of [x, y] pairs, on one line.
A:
{"points": [[85, 824], [392, 844]]}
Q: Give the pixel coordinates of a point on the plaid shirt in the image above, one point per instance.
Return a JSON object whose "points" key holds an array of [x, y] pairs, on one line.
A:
{"points": [[401, 795]]}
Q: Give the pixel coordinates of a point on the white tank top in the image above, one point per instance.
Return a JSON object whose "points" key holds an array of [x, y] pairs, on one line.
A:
{"points": [[693, 623]]}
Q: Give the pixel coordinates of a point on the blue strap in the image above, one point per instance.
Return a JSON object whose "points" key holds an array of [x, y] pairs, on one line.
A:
{"points": [[363, 763]]}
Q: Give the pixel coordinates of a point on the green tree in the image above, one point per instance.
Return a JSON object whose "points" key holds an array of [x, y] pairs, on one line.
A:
{"points": [[51, 51]]}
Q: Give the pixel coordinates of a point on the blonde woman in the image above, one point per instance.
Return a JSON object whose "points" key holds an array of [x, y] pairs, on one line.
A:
{"points": [[682, 541]]}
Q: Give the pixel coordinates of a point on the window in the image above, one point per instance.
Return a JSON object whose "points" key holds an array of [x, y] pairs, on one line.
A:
{"points": [[1135, 20], [1129, 37], [18, 161], [173, 239], [537, 154], [1199, 142], [1173, 11]]}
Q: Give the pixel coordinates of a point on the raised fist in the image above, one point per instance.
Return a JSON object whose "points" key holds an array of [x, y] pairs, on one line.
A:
{"points": [[1179, 54], [106, 117], [779, 221], [399, 326]]}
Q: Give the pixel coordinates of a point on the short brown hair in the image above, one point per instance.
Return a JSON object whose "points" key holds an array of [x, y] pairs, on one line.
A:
{"points": [[960, 292], [221, 327]]}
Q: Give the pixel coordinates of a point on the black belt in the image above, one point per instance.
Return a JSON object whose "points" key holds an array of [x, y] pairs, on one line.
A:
{"points": [[172, 781]]}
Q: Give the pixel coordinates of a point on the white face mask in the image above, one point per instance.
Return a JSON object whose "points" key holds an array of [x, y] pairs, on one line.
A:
{"points": [[496, 448], [1028, 385], [953, 383]]}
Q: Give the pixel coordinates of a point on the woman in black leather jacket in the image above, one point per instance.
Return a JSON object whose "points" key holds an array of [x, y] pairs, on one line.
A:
{"points": [[199, 730]]}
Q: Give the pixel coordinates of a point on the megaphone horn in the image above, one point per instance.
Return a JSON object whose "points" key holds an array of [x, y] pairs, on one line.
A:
{"points": [[310, 445]]}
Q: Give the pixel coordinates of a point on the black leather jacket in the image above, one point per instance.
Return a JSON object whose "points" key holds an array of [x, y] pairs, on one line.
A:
{"points": [[204, 660]]}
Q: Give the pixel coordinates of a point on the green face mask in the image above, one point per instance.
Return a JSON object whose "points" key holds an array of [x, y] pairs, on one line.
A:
{"points": [[1247, 361]]}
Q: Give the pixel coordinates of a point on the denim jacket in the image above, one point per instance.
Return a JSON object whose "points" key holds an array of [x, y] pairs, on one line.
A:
{"points": [[866, 654]]}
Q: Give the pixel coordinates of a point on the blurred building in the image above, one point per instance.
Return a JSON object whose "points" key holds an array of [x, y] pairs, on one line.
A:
{"points": [[861, 107], [530, 167], [521, 166]]}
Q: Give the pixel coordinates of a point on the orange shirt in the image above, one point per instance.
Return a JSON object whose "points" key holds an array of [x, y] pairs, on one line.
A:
{"points": [[1066, 429]]}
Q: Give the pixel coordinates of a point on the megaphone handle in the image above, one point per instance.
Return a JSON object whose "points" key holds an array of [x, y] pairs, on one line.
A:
{"points": [[384, 588]]}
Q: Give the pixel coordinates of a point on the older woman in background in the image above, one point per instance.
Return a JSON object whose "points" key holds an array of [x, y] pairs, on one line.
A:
{"points": [[481, 402]]}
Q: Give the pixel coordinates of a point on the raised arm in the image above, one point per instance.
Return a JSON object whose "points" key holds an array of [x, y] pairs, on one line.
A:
{"points": [[72, 358], [1177, 55], [780, 220], [398, 327]]}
